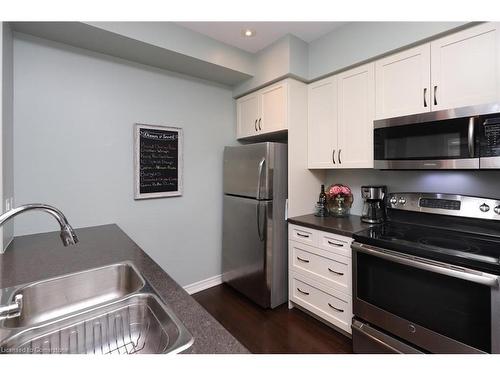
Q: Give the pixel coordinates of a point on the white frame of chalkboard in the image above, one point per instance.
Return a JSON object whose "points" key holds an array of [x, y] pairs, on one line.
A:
{"points": [[180, 167]]}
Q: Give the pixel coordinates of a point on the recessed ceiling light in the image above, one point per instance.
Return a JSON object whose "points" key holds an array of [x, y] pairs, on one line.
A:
{"points": [[248, 33]]}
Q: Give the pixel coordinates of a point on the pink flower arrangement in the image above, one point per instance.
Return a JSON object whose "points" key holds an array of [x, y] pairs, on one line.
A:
{"points": [[339, 190]]}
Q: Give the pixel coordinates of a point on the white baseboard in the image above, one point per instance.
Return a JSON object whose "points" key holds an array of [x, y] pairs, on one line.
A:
{"points": [[203, 284]]}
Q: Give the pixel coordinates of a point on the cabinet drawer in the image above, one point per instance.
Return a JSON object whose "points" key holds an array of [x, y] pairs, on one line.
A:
{"points": [[333, 306], [335, 243], [303, 235], [332, 269]]}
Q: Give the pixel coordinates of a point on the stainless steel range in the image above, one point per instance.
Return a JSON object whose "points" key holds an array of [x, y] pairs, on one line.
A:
{"points": [[427, 280]]}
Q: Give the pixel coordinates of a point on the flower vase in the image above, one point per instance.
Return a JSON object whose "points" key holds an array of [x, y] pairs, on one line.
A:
{"points": [[338, 207]]}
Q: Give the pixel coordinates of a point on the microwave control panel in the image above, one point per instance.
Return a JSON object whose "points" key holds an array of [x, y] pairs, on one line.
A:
{"points": [[490, 140]]}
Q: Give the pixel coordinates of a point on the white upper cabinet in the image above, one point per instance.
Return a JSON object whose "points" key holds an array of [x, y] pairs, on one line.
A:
{"points": [[465, 68], [403, 83], [263, 111], [356, 112], [322, 123], [340, 120], [273, 104], [247, 109]]}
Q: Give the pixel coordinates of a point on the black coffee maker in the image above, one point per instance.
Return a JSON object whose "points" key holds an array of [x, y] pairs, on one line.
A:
{"points": [[374, 204]]}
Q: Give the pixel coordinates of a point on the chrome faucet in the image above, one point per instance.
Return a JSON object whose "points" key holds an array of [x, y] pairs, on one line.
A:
{"points": [[68, 235]]}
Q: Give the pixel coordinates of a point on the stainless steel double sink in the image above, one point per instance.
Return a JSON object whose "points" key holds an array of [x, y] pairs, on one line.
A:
{"points": [[106, 310]]}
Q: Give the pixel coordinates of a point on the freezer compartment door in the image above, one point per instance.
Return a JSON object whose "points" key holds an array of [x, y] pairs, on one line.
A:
{"points": [[245, 262], [248, 170]]}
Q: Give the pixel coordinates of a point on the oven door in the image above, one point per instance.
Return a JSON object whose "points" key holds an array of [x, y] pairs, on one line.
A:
{"points": [[442, 144], [434, 306]]}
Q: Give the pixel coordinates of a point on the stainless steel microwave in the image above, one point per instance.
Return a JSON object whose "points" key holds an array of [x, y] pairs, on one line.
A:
{"points": [[461, 138]]}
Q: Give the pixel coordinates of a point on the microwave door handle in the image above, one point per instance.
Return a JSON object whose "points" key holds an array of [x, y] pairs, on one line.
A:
{"points": [[470, 137], [259, 183], [478, 278]]}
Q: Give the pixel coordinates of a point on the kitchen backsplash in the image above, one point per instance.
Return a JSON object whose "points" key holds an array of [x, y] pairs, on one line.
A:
{"points": [[476, 183]]}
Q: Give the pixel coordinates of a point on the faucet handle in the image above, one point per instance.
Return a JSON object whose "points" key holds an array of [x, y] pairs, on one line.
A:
{"points": [[18, 300]]}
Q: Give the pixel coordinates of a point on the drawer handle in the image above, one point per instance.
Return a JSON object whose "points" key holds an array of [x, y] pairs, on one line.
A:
{"points": [[301, 291], [335, 272], [336, 244], [335, 308], [303, 260], [303, 235]]}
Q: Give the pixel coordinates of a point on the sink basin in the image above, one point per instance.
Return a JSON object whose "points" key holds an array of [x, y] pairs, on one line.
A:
{"points": [[106, 310], [51, 298], [140, 323]]}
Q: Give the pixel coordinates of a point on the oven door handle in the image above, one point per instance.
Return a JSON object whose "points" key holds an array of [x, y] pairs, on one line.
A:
{"points": [[429, 265]]}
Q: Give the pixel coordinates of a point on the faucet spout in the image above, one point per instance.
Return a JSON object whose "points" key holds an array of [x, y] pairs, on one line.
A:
{"points": [[68, 235]]}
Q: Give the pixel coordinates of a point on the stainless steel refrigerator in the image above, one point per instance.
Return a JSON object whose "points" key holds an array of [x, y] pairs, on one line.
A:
{"points": [[254, 239]]}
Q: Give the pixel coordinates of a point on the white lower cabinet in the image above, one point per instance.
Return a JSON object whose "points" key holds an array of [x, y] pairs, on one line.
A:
{"points": [[329, 304], [320, 274], [329, 268]]}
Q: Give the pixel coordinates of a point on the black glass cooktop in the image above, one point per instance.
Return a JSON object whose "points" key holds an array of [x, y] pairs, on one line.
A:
{"points": [[478, 252]]}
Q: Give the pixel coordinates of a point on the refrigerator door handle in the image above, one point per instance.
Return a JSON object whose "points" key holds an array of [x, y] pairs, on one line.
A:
{"points": [[259, 180], [259, 230], [259, 183]]}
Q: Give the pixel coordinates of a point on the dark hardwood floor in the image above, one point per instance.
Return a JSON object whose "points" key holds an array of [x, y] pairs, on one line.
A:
{"points": [[271, 331]]}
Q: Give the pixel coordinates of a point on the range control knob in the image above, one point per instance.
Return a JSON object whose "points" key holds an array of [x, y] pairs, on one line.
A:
{"points": [[484, 207], [497, 210], [394, 200], [402, 200]]}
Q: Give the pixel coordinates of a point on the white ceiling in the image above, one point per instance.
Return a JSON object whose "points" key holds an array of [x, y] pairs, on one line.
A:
{"points": [[267, 32]]}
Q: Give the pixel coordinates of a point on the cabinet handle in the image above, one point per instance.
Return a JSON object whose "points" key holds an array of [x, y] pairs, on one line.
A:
{"points": [[340, 161], [255, 125], [333, 156], [335, 244], [303, 260], [302, 235], [335, 308], [335, 272], [301, 291], [425, 97], [259, 124], [435, 97]]}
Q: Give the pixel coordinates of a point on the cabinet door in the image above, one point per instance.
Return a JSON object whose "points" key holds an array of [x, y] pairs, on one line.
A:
{"points": [[356, 98], [273, 108], [402, 83], [247, 109], [465, 68], [322, 123]]}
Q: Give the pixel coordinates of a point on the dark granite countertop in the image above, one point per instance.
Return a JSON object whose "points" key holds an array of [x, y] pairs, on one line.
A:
{"points": [[344, 226], [39, 256]]}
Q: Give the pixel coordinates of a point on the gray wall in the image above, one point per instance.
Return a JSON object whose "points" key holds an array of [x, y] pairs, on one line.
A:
{"points": [[477, 183], [74, 111], [286, 56], [358, 41], [7, 131]]}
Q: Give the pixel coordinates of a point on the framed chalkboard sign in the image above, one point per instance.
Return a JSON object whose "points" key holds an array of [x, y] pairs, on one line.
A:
{"points": [[158, 161]]}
